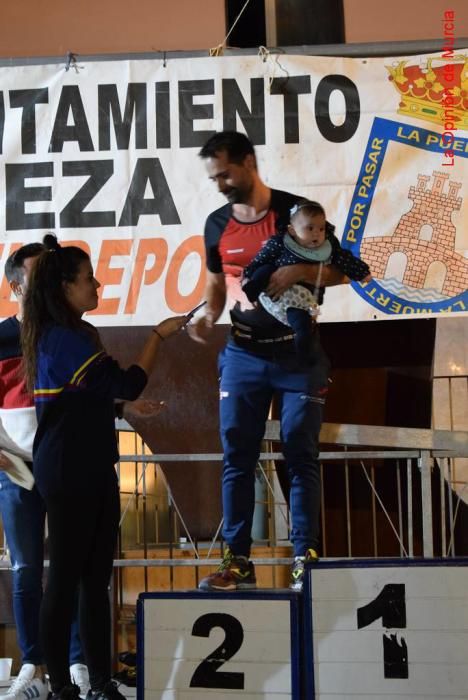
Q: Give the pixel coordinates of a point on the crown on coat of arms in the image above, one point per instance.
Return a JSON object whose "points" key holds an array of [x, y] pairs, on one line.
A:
{"points": [[433, 93]]}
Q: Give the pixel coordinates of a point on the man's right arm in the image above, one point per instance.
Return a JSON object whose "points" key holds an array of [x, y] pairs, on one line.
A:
{"points": [[215, 296]]}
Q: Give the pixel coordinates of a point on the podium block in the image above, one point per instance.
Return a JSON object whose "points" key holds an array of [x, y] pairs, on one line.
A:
{"points": [[386, 630], [194, 645]]}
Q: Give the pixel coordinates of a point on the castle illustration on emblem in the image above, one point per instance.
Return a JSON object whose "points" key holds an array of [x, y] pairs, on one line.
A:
{"points": [[420, 254]]}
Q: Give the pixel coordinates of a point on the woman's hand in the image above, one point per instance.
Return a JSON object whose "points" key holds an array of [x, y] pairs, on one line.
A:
{"points": [[142, 408], [170, 326]]}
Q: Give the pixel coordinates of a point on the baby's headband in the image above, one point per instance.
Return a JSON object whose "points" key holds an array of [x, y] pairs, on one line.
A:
{"points": [[305, 204]]}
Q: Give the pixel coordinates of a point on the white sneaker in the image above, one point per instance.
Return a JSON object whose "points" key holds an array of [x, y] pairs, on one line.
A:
{"points": [[80, 676], [26, 686]]}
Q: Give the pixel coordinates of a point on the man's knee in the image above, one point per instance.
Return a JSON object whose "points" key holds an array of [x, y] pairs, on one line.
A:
{"points": [[240, 446], [301, 445]]}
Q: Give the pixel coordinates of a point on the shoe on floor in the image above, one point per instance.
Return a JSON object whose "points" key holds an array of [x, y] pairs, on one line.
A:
{"points": [[80, 677], [235, 573], [297, 571], [109, 692], [68, 692], [26, 686]]}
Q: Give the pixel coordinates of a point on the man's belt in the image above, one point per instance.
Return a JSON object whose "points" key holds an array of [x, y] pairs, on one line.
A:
{"points": [[248, 334]]}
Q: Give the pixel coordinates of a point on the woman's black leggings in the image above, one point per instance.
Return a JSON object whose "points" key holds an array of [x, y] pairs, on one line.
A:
{"points": [[83, 524]]}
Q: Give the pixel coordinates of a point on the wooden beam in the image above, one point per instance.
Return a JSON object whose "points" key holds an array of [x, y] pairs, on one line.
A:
{"points": [[455, 441]]}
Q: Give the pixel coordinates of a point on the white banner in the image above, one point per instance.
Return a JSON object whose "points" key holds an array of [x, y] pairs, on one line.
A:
{"points": [[105, 154]]}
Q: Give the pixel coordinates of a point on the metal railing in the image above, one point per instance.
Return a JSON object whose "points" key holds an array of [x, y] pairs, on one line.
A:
{"points": [[409, 454]]}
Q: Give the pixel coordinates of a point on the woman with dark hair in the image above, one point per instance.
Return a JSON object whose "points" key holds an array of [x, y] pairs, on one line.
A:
{"points": [[75, 385]]}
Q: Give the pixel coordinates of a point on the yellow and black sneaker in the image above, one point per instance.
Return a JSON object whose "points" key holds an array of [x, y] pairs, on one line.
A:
{"points": [[297, 571], [235, 573]]}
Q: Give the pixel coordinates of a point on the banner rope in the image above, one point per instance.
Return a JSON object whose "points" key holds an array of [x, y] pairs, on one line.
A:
{"points": [[267, 55], [218, 50]]}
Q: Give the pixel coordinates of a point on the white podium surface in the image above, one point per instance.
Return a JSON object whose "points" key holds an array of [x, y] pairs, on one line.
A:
{"points": [[194, 645], [386, 630]]}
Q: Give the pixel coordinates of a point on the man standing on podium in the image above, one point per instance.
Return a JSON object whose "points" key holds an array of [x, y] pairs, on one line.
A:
{"points": [[259, 361]]}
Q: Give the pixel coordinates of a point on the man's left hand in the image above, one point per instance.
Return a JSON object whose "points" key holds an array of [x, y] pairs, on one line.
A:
{"points": [[282, 279]]}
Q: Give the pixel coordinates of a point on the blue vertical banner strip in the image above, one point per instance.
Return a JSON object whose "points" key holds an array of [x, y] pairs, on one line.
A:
{"points": [[365, 185]]}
